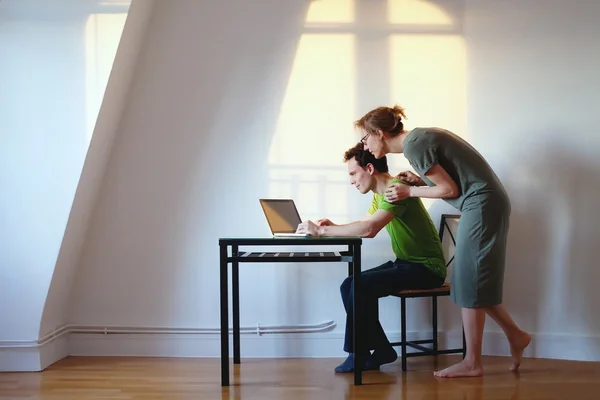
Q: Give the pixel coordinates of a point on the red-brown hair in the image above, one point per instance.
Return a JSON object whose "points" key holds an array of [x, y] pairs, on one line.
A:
{"points": [[388, 119]]}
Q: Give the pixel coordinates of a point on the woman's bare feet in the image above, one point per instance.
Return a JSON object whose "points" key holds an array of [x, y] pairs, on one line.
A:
{"points": [[461, 370], [517, 346]]}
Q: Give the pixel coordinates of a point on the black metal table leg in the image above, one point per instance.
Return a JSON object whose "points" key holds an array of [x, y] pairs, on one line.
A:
{"points": [[224, 317], [235, 291], [358, 326], [350, 263]]}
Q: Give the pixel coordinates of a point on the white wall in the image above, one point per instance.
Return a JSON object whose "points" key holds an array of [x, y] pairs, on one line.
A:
{"points": [[43, 146], [56, 59], [232, 102], [534, 92], [120, 56]]}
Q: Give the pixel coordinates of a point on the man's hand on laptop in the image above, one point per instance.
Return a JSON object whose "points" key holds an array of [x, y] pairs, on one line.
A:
{"points": [[325, 222], [308, 227]]}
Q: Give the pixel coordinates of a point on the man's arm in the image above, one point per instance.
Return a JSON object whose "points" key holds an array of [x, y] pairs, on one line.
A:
{"points": [[367, 227], [366, 217]]}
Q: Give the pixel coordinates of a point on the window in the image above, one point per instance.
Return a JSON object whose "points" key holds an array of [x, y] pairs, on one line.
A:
{"points": [[353, 56], [103, 32]]}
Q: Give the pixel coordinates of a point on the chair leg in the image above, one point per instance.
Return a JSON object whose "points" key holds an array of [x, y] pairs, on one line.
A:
{"points": [[464, 342], [434, 323], [403, 331]]}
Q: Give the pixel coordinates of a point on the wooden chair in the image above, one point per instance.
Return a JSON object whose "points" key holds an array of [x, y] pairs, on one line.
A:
{"points": [[444, 290]]}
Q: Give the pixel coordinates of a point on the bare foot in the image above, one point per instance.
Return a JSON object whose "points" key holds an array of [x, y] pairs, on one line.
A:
{"points": [[462, 369], [517, 346]]}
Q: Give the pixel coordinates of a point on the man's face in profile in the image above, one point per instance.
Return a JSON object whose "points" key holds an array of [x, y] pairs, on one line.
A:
{"points": [[361, 178]]}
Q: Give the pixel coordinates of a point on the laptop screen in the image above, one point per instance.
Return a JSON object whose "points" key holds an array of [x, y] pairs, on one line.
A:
{"points": [[281, 214]]}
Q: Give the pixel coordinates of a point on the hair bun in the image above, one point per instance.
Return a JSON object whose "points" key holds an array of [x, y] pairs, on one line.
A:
{"points": [[387, 119], [398, 112]]}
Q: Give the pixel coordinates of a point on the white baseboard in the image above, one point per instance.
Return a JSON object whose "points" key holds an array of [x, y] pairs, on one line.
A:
{"points": [[34, 356], [53, 351], [18, 359], [322, 344], [554, 346]]}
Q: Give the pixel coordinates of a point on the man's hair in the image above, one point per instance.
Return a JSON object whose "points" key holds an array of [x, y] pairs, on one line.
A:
{"points": [[364, 157]]}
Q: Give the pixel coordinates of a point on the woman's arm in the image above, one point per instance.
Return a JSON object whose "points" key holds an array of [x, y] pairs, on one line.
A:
{"points": [[445, 187], [411, 178]]}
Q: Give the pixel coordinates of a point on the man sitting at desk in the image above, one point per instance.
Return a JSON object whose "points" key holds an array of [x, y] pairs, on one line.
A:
{"points": [[419, 264]]}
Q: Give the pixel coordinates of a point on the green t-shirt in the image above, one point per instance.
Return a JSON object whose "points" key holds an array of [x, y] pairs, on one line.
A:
{"points": [[413, 235]]}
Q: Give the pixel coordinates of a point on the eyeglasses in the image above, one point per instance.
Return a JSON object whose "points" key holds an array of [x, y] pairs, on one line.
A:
{"points": [[364, 138]]}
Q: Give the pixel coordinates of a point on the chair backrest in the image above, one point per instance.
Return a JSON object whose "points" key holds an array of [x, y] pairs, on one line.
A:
{"points": [[448, 227]]}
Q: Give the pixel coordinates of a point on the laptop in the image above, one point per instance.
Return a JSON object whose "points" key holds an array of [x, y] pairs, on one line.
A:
{"points": [[283, 217]]}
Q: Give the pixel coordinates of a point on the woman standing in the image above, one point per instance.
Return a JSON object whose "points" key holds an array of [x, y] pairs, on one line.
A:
{"points": [[451, 169]]}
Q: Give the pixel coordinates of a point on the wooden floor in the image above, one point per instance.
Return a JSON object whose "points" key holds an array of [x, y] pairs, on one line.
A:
{"points": [[84, 378]]}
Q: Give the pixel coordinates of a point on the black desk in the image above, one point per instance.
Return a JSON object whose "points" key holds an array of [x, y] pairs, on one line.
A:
{"points": [[350, 254]]}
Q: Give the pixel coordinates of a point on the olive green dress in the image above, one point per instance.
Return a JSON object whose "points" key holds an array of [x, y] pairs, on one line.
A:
{"points": [[478, 273]]}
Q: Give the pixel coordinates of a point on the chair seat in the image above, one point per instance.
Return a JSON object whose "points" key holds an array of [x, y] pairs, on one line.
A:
{"points": [[443, 290]]}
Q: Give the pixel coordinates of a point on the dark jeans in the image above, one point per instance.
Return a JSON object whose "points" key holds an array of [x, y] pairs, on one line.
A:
{"points": [[378, 282]]}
